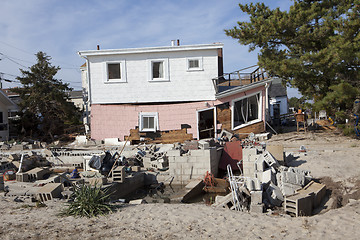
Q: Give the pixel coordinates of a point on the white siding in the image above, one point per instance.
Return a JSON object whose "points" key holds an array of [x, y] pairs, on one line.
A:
{"points": [[183, 85]]}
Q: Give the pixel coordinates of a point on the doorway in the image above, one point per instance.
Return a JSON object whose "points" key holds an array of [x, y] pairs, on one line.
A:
{"points": [[206, 123]]}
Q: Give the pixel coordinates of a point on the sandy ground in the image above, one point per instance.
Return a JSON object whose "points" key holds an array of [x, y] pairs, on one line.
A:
{"points": [[328, 155]]}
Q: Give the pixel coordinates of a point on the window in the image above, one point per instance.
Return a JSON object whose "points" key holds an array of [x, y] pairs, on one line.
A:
{"points": [[158, 69], [148, 122], [115, 72], [246, 111], [1, 117], [194, 64]]}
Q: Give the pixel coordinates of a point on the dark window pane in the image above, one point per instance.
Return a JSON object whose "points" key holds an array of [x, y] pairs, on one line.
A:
{"points": [[148, 122], [193, 63], [158, 69], [246, 110], [114, 71]]}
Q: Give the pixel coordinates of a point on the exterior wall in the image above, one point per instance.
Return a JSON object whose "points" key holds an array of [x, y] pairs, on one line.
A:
{"points": [[183, 85], [224, 114], [4, 135], [115, 121], [193, 165]]}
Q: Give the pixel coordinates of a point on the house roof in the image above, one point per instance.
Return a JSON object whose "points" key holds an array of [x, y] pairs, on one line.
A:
{"points": [[151, 49], [4, 99], [276, 88], [242, 88], [75, 94]]}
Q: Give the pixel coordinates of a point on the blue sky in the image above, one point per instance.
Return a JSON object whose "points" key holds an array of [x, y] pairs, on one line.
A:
{"points": [[60, 28]]}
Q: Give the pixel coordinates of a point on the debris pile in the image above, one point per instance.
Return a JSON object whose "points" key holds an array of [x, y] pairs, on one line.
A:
{"points": [[264, 183]]}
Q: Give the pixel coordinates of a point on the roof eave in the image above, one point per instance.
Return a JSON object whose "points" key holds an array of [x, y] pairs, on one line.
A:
{"points": [[240, 89], [151, 49]]}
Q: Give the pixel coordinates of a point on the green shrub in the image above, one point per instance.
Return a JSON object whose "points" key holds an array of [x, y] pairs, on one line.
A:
{"points": [[88, 201]]}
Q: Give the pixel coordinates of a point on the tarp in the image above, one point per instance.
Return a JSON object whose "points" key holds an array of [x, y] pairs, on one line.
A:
{"points": [[232, 154]]}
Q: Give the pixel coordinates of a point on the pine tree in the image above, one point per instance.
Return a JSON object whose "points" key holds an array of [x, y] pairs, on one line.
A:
{"points": [[45, 105], [314, 45]]}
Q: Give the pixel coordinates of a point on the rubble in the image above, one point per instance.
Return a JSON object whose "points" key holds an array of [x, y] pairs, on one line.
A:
{"points": [[264, 181]]}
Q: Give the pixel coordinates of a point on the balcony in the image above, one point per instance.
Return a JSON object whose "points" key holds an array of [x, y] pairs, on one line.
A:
{"points": [[238, 78]]}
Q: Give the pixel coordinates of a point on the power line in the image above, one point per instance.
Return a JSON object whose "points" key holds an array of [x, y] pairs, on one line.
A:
{"points": [[9, 74], [22, 50], [13, 60]]}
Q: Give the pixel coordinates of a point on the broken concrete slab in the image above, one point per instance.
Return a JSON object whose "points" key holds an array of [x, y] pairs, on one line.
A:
{"points": [[137, 202], [277, 151], [194, 188], [274, 195]]}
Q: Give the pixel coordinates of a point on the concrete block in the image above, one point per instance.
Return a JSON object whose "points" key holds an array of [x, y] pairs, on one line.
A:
{"points": [[298, 205], [270, 160], [37, 173], [268, 176], [256, 197], [257, 208], [118, 174], [200, 153], [204, 144], [49, 192], [274, 195], [182, 159], [260, 165], [223, 201], [22, 177], [277, 151], [173, 153], [249, 151], [18, 147]]}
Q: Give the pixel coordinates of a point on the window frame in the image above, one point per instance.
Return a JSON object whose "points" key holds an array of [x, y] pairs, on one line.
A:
{"points": [[155, 115], [260, 112], [122, 78], [200, 68], [165, 77]]}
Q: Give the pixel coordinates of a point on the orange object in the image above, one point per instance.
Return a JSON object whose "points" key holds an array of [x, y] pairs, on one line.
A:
{"points": [[209, 179], [9, 175]]}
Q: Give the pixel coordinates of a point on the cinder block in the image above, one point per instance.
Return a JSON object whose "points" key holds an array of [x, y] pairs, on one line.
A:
{"points": [[182, 159], [257, 208], [249, 151], [22, 177], [49, 192], [200, 152], [268, 176], [118, 174], [298, 205], [173, 153], [256, 197], [277, 151]]}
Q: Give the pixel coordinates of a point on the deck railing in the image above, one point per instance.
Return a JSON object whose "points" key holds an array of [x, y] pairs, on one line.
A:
{"points": [[239, 78]]}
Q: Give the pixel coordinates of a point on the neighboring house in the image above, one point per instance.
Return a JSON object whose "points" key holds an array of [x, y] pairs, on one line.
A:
{"points": [[6, 106], [76, 97], [164, 92], [278, 100]]}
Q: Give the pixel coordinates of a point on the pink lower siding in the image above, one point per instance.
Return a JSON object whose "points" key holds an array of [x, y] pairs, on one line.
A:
{"points": [[115, 121]]}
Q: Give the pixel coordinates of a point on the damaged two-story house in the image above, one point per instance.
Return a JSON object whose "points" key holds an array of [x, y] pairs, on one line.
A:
{"points": [[171, 93]]}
